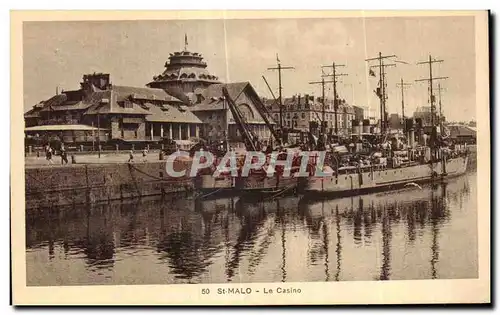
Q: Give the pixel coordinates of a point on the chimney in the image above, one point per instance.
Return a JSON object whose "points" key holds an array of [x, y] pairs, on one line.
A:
{"points": [[99, 80], [298, 99], [307, 99]]}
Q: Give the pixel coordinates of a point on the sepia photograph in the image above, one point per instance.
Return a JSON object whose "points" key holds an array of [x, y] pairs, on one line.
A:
{"points": [[232, 157]]}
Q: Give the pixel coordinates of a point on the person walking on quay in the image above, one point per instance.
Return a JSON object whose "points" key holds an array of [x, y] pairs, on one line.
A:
{"points": [[144, 154], [64, 155], [131, 156], [48, 154]]}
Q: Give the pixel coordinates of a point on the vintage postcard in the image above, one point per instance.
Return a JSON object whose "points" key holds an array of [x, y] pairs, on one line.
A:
{"points": [[250, 158]]}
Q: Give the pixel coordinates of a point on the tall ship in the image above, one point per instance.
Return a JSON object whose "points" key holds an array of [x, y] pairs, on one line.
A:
{"points": [[383, 169], [364, 162], [388, 161]]}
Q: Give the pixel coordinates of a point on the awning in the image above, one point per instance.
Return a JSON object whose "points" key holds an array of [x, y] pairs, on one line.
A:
{"points": [[63, 128], [184, 142]]}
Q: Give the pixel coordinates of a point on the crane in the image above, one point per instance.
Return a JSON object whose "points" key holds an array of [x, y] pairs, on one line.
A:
{"points": [[249, 137]]}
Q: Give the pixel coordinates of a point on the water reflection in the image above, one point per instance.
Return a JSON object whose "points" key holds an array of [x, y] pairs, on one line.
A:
{"points": [[189, 243], [364, 237]]}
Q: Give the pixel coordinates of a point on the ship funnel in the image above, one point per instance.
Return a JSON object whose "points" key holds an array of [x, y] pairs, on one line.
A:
{"points": [[411, 138], [356, 129], [366, 126]]}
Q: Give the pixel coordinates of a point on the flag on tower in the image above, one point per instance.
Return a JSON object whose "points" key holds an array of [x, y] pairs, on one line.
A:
{"points": [[277, 58], [371, 73]]}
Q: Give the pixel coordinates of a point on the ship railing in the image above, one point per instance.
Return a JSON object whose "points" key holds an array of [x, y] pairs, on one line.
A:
{"points": [[363, 168]]}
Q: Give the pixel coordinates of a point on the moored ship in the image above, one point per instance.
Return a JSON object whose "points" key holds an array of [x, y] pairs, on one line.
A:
{"points": [[391, 161], [375, 160], [357, 180]]}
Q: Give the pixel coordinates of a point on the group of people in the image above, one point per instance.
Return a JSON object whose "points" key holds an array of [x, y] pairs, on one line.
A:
{"points": [[51, 151], [145, 152]]}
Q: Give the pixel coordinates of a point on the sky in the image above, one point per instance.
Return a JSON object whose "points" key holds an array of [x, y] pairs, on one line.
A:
{"points": [[57, 54]]}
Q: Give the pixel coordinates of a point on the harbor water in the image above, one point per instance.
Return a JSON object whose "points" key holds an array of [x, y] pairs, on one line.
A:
{"points": [[427, 232]]}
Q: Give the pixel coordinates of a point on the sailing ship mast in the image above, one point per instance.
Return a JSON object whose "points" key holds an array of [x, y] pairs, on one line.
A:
{"points": [[432, 98], [334, 66], [439, 88], [381, 90], [323, 110], [280, 97], [403, 85]]}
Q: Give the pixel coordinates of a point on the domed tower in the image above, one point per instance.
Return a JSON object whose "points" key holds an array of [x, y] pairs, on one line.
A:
{"points": [[185, 72]]}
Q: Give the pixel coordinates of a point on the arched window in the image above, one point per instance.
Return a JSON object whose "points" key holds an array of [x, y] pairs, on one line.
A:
{"points": [[246, 111]]}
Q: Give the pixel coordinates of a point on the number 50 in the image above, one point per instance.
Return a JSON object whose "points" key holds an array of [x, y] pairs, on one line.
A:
{"points": [[205, 291]]}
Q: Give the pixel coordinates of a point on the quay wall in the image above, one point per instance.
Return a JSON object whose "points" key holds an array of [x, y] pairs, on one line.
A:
{"points": [[89, 183]]}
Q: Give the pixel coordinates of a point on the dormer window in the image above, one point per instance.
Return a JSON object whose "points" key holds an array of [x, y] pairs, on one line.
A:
{"points": [[128, 104]]}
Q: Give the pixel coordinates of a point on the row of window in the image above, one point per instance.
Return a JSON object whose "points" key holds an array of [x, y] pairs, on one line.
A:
{"points": [[294, 123], [340, 118]]}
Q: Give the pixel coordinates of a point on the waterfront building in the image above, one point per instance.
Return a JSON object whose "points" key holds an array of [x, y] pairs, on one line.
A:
{"points": [[359, 113], [210, 107], [182, 103], [460, 133], [103, 111], [304, 113]]}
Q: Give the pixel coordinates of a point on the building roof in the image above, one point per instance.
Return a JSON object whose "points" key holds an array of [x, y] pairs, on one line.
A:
{"points": [[143, 93], [120, 94], [170, 114], [461, 130], [78, 105], [185, 66], [113, 108], [212, 95], [32, 113], [187, 74], [62, 128]]}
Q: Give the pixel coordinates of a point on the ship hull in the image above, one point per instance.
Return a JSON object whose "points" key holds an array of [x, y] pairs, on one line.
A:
{"points": [[379, 180], [209, 186]]}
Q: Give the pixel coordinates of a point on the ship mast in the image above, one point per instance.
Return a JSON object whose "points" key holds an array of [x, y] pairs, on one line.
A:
{"points": [[264, 112], [280, 97], [432, 98], [334, 75], [403, 85], [323, 112], [381, 91], [439, 88]]}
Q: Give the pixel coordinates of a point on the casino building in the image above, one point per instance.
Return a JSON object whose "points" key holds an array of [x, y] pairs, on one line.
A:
{"points": [[184, 103]]}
